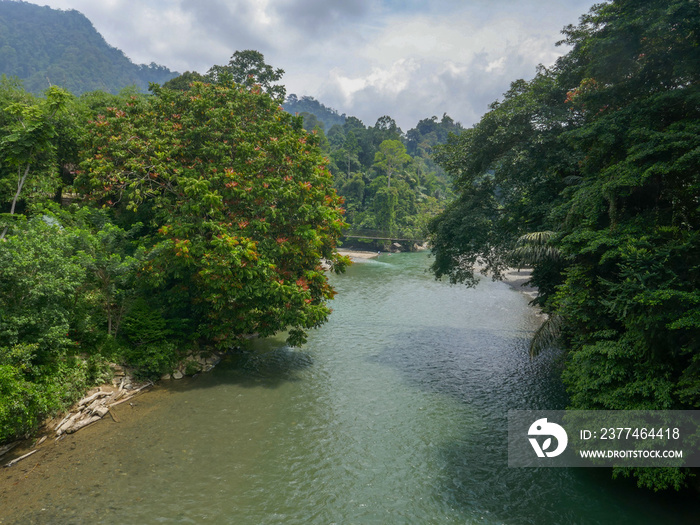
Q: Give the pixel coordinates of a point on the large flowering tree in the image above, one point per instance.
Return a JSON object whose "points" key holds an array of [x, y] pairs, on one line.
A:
{"points": [[239, 202]]}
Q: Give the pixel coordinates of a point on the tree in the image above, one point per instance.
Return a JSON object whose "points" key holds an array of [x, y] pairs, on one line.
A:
{"points": [[385, 129], [600, 155], [239, 200], [384, 203], [184, 81], [509, 171], [347, 155], [391, 158], [248, 68], [29, 137]]}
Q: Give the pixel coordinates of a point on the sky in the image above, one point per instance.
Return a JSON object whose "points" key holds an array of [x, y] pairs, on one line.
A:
{"points": [[407, 59]]}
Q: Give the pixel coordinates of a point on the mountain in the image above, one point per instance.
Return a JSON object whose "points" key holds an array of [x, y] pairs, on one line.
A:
{"points": [[44, 46]]}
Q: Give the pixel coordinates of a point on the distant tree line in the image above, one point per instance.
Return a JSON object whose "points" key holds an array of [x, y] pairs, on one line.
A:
{"points": [[388, 179]]}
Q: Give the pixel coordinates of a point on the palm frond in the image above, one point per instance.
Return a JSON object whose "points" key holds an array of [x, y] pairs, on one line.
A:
{"points": [[533, 248], [546, 336], [536, 238]]}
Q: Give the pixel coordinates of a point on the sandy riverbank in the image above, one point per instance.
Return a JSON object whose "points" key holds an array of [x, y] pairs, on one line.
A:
{"points": [[517, 279], [356, 254]]}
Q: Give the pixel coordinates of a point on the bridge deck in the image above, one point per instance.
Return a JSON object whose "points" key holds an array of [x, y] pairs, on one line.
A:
{"points": [[381, 238]]}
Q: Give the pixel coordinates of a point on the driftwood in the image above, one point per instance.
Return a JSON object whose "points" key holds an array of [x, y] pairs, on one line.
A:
{"points": [[120, 401], [94, 396], [82, 424], [6, 448], [17, 460], [100, 411], [63, 421], [97, 403], [130, 395], [119, 394], [141, 388], [94, 407], [68, 423]]}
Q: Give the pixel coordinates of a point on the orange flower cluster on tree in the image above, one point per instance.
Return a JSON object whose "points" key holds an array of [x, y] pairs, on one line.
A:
{"points": [[240, 203]]}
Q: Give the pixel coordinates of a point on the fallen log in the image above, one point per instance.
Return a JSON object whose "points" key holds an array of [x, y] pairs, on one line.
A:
{"points": [[17, 460], [63, 421], [91, 398], [120, 401], [82, 424], [101, 411], [68, 423], [91, 408], [120, 393], [141, 388], [129, 396]]}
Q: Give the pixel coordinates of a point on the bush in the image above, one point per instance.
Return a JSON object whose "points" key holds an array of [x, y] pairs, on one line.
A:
{"points": [[152, 360]]}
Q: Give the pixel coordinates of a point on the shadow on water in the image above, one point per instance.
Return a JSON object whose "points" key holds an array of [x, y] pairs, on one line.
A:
{"points": [[549, 495], [479, 367], [262, 365], [463, 365]]}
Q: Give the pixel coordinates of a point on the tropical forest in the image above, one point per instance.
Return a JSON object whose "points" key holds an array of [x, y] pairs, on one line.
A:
{"points": [[349, 278]]}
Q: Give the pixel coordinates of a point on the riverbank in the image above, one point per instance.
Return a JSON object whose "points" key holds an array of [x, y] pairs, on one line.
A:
{"points": [[98, 403], [358, 255], [120, 389], [518, 279]]}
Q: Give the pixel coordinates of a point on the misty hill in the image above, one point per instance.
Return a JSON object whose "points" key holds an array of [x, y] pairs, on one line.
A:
{"points": [[310, 105], [41, 45]]}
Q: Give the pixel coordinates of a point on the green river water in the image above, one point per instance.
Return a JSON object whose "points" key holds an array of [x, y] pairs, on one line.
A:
{"points": [[394, 412]]}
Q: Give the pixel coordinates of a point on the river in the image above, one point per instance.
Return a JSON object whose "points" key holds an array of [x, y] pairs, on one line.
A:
{"points": [[393, 412]]}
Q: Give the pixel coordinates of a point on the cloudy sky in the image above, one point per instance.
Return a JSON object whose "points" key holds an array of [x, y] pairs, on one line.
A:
{"points": [[408, 59]]}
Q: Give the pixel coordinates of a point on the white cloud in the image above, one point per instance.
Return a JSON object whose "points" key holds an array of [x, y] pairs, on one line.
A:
{"points": [[392, 80], [496, 65], [367, 58]]}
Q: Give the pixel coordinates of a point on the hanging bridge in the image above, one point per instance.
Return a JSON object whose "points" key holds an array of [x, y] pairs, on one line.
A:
{"points": [[378, 235]]}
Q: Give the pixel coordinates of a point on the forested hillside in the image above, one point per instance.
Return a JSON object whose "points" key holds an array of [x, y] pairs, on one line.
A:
{"points": [[308, 106], [43, 46]]}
